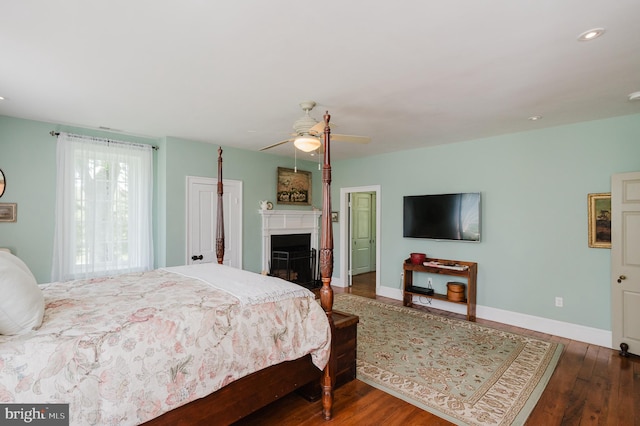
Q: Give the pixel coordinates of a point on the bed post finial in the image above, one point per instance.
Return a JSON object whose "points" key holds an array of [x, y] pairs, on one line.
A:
{"points": [[326, 269], [220, 218]]}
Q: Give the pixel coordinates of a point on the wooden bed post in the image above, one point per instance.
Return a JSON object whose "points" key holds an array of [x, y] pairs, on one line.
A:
{"points": [[246, 395], [220, 219], [326, 268]]}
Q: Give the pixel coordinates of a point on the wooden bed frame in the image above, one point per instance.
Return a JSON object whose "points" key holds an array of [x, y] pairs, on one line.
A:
{"points": [[248, 394]]}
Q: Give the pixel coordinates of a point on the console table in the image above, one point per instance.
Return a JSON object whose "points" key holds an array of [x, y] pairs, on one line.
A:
{"points": [[458, 268]]}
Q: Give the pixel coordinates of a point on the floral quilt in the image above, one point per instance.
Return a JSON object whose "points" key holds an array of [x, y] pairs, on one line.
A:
{"points": [[126, 349]]}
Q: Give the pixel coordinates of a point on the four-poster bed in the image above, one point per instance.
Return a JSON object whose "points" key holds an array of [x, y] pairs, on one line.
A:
{"points": [[198, 344], [248, 394]]}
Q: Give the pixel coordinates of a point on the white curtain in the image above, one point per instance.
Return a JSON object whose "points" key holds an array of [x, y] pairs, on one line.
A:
{"points": [[104, 201]]}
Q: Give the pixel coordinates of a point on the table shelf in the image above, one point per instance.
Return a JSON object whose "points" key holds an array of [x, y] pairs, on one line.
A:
{"points": [[468, 270]]}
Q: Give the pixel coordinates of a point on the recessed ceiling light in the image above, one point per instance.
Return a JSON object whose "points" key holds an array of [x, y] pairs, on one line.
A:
{"points": [[635, 96], [1, 98], [591, 34], [535, 118]]}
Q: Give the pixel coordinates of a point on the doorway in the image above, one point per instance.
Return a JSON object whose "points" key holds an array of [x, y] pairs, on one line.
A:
{"points": [[359, 231], [363, 232]]}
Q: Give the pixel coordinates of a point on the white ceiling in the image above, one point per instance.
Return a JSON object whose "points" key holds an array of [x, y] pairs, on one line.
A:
{"points": [[407, 73]]}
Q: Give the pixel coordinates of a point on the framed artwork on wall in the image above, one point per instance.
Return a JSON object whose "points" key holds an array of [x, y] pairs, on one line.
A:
{"points": [[600, 220], [294, 187], [8, 212]]}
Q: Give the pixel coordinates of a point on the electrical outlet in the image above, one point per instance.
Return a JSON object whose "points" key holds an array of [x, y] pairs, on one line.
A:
{"points": [[559, 302]]}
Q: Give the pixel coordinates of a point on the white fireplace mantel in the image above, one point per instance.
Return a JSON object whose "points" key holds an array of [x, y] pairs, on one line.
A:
{"points": [[285, 222]]}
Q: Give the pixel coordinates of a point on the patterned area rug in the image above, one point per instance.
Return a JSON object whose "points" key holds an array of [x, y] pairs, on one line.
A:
{"points": [[463, 372]]}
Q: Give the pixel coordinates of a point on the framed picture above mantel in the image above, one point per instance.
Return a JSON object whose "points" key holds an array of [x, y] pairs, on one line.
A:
{"points": [[294, 187]]}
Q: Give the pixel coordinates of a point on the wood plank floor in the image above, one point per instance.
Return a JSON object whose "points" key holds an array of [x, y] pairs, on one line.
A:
{"points": [[591, 385]]}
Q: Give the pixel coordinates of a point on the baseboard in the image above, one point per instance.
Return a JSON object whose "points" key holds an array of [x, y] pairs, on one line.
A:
{"points": [[567, 330], [338, 282]]}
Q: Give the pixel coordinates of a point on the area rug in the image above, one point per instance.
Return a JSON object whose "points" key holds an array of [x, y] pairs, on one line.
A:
{"points": [[463, 372]]}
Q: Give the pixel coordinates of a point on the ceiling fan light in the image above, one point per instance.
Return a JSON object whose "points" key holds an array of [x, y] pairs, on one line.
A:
{"points": [[306, 143]]}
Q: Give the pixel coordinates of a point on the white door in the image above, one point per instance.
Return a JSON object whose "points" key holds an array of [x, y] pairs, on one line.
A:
{"points": [[362, 241], [202, 207], [374, 235], [625, 261]]}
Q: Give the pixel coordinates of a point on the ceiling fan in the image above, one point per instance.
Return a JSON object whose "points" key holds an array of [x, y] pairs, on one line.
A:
{"points": [[309, 132]]}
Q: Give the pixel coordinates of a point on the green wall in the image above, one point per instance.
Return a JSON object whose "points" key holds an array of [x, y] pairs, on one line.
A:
{"points": [[256, 170], [534, 189], [28, 159], [27, 156]]}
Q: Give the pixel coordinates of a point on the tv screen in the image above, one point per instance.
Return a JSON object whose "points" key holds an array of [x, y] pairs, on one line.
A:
{"points": [[442, 216]]}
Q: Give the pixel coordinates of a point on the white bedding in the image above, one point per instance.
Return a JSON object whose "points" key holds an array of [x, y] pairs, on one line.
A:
{"points": [[263, 288], [126, 349]]}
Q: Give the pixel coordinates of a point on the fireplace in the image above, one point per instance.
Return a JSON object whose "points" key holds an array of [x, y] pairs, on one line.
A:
{"points": [[292, 224], [293, 259]]}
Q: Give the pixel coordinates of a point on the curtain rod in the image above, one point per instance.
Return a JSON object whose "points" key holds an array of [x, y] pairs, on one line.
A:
{"points": [[54, 133]]}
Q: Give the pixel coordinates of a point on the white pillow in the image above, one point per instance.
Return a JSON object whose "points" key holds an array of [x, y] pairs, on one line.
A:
{"points": [[22, 304], [17, 261]]}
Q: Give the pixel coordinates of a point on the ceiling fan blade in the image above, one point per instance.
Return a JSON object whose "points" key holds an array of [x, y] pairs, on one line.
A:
{"points": [[317, 129], [350, 138], [276, 144]]}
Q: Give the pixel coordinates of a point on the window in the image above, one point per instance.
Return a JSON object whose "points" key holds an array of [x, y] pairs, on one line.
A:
{"points": [[103, 208]]}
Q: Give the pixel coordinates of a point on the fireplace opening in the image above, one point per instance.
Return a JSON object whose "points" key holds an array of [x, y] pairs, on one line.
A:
{"points": [[293, 259]]}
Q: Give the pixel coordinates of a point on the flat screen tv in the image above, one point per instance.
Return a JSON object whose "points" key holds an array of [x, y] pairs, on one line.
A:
{"points": [[442, 216]]}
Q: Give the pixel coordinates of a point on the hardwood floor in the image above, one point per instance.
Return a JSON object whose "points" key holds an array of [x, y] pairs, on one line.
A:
{"points": [[591, 385]]}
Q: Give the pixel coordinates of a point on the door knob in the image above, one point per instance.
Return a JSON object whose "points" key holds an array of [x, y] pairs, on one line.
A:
{"points": [[621, 277], [196, 257]]}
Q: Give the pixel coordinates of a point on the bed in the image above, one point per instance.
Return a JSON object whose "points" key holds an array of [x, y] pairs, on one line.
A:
{"points": [[198, 344]]}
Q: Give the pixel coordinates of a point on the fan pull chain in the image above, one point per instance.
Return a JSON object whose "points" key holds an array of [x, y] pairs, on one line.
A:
{"points": [[295, 160]]}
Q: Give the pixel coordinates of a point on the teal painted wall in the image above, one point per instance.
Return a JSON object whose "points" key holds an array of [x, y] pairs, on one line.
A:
{"points": [[534, 189], [27, 156], [256, 170], [28, 159]]}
